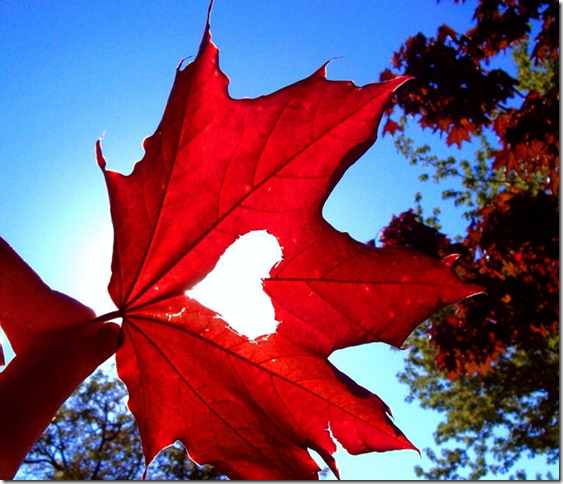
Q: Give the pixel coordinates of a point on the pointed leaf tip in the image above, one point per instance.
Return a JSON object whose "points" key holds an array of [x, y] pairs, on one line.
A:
{"points": [[399, 81], [99, 156], [472, 289], [206, 39], [209, 10], [450, 259]]}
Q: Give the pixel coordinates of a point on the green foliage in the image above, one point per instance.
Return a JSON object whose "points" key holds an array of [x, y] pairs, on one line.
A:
{"points": [[94, 437], [491, 420], [479, 182], [472, 184], [541, 75]]}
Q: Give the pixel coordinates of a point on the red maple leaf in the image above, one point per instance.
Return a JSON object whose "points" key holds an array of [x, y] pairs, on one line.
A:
{"points": [[391, 127], [57, 346], [459, 134], [215, 169]]}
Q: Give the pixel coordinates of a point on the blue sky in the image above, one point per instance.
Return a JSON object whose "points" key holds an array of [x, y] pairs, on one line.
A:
{"points": [[72, 71]]}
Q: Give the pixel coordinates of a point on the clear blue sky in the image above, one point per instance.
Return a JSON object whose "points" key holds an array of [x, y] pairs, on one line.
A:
{"points": [[73, 70]]}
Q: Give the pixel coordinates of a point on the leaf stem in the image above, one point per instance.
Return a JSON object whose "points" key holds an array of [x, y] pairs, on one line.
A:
{"points": [[108, 316]]}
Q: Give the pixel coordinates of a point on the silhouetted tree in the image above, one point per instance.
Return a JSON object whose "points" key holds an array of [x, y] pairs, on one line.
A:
{"points": [[95, 437]]}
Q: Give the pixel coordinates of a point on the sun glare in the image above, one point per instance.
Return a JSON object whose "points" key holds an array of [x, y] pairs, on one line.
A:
{"points": [[92, 271]]}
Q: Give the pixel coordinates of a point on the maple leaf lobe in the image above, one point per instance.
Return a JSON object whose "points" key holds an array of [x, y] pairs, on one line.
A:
{"points": [[56, 347]]}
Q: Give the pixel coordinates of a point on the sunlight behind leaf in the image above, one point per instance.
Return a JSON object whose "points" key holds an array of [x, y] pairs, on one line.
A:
{"points": [[234, 288]]}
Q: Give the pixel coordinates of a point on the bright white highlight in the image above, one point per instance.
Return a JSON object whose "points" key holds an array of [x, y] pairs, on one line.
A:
{"points": [[234, 288], [6, 348]]}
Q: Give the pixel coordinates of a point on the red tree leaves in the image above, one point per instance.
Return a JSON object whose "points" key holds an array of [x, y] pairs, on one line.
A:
{"points": [[56, 349], [512, 250], [215, 169], [458, 94]]}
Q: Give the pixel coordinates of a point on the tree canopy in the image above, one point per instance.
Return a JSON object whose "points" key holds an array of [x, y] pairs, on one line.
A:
{"points": [[95, 437], [490, 363]]}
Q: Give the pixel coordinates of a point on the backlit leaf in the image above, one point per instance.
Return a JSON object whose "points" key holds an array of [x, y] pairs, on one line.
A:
{"points": [[218, 168]]}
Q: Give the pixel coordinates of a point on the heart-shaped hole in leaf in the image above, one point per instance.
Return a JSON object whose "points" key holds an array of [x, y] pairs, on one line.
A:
{"points": [[234, 288]]}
